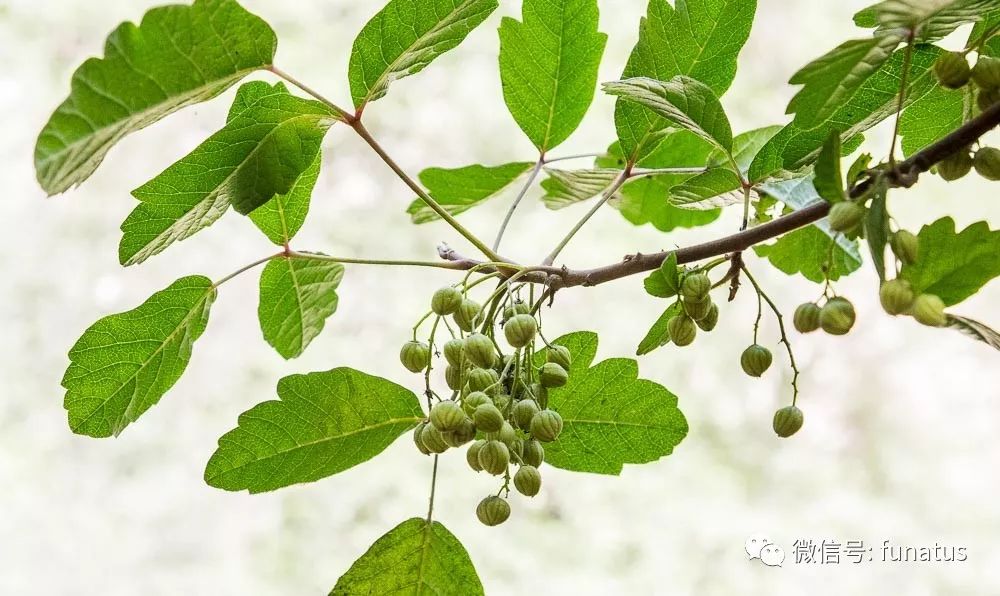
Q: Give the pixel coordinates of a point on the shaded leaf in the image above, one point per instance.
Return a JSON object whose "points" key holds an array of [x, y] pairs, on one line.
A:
{"points": [[659, 334], [282, 217], [461, 189], [931, 19], [828, 181], [954, 265], [297, 295], [877, 229], [975, 330]]}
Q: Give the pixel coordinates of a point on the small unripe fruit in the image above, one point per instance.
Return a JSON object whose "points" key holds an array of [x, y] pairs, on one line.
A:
{"points": [[987, 98], [807, 317], [446, 301], [528, 481], [493, 511], [447, 415], [987, 163], [520, 330], [517, 308], [552, 375], [479, 350], [546, 426], [952, 70], [695, 287], [986, 72], [955, 167], [896, 296], [453, 377], [433, 440], [710, 320], [465, 432], [501, 401], [417, 439], [516, 448], [846, 216], [524, 412], [534, 453], [415, 356], [682, 330], [467, 315], [472, 455], [559, 355], [928, 309], [454, 352], [756, 360], [837, 316], [536, 392], [698, 310], [507, 434], [474, 400], [787, 421], [481, 379], [494, 457], [905, 246], [487, 418]]}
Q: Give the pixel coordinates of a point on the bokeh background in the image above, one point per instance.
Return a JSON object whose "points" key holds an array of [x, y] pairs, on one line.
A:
{"points": [[901, 441]]}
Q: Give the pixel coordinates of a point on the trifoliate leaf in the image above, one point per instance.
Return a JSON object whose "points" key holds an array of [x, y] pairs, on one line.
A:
{"points": [[548, 67], [461, 189], [933, 116], [282, 217], [954, 265], [415, 557], [124, 363], [712, 189], [269, 142], [297, 295], [610, 416], [323, 424], [806, 250], [569, 187], [178, 56], [659, 333], [975, 330], [404, 37]]}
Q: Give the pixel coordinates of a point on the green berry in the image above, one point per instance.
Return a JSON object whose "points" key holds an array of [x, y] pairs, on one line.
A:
{"points": [[559, 355], [465, 432], [987, 98], [447, 415], [846, 216], [474, 400], [446, 301], [710, 320], [787, 421], [928, 309], [896, 296], [955, 167], [454, 352], [695, 287], [987, 163], [488, 418], [534, 453], [453, 377], [520, 330], [986, 72], [507, 435], [493, 511], [806, 317], [756, 360], [698, 310], [952, 70], [415, 356], [479, 350], [481, 379], [494, 457], [552, 375], [418, 441], [523, 412], [837, 316], [472, 455], [433, 440], [528, 481], [516, 448], [517, 308], [682, 330], [546, 426], [905, 246], [467, 315]]}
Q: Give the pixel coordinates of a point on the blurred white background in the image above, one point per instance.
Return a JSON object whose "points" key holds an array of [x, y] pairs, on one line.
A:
{"points": [[900, 442]]}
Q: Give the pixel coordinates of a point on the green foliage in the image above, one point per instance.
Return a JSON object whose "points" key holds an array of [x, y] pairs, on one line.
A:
{"points": [[568, 187], [124, 363], [323, 424], [659, 334], [282, 217], [611, 417], [548, 66], [712, 189], [415, 557], [297, 295], [406, 36], [932, 117], [461, 189], [805, 252], [954, 265], [829, 182], [178, 56], [929, 19]]}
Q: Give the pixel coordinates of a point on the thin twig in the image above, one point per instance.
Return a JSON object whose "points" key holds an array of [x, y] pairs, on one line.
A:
{"points": [[610, 192], [517, 201], [781, 327]]}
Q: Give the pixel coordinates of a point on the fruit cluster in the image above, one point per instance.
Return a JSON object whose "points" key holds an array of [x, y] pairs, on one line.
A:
{"points": [[953, 71], [498, 403], [697, 309]]}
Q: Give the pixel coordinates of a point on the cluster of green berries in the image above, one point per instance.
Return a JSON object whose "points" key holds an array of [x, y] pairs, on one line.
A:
{"points": [[898, 296], [836, 316], [499, 403], [697, 309], [953, 71]]}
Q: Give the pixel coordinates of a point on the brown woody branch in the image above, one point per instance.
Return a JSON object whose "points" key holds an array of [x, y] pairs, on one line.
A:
{"points": [[904, 175]]}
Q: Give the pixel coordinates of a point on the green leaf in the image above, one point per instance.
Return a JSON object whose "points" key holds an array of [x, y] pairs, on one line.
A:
{"points": [[877, 229], [701, 39], [682, 101], [548, 67], [461, 189], [178, 56], [830, 81], [282, 217], [569, 187], [805, 251], [954, 266], [659, 334], [665, 282], [269, 142], [297, 295], [746, 145], [932, 117], [796, 147], [610, 416], [404, 37], [323, 424], [930, 19], [829, 181], [124, 363], [712, 189], [975, 330], [415, 557]]}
